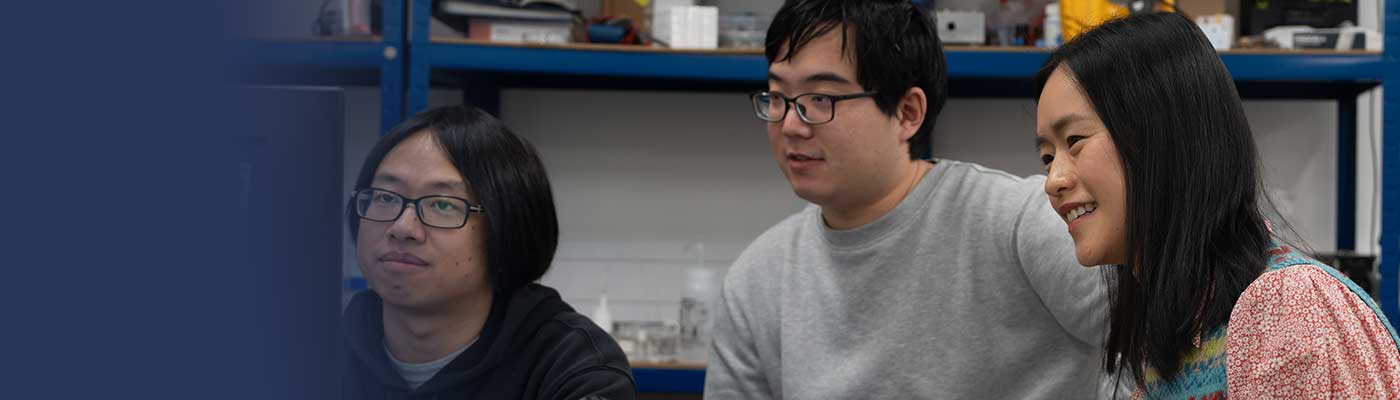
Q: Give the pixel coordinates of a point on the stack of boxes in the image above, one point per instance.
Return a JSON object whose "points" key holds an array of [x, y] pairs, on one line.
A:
{"points": [[683, 25], [671, 23]]}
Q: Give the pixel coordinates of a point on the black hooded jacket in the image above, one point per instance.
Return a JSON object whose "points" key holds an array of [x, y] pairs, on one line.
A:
{"points": [[533, 346]]}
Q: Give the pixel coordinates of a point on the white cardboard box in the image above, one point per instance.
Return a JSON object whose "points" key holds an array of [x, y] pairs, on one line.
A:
{"points": [[1219, 28], [520, 31], [687, 27]]}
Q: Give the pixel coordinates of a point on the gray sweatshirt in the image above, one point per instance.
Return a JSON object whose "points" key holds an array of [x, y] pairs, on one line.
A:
{"points": [[968, 289]]}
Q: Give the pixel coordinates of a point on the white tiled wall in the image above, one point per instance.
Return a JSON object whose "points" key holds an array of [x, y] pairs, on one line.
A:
{"points": [[641, 182], [644, 280], [641, 178]]}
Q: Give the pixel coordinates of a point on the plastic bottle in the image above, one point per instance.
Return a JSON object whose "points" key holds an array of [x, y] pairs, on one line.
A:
{"points": [[602, 315]]}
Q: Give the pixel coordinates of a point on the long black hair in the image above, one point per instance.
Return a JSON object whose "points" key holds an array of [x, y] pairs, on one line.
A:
{"points": [[1196, 233], [507, 177], [896, 48]]}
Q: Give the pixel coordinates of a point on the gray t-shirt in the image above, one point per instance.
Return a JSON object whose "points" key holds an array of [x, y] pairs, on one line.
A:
{"points": [[968, 289], [418, 374]]}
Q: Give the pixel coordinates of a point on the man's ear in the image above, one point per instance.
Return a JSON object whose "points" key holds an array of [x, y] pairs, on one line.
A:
{"points": [[910, 112]]}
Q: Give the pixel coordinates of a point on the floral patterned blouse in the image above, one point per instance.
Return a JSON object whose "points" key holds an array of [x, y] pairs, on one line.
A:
{"points": [[1300, 331]]}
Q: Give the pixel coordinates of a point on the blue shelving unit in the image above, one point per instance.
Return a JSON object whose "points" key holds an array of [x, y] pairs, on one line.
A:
{"points": [[336, 61], [482, 69], [597, 60], [750, 67]]}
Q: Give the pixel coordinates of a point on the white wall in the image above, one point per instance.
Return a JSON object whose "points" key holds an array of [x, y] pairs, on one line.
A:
{"points": [[643, 180], [1368, 139], [1368, 167], [1296, 139]]}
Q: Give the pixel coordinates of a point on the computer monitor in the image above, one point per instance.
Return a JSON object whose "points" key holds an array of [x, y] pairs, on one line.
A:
{"points": [[289, 141]]}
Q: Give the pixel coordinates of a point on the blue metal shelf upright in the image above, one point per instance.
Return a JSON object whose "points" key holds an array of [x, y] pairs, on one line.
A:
{"points": [[1390, 158], [482, 69], [337, 61]]}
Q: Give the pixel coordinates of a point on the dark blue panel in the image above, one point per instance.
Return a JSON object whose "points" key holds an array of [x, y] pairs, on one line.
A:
{"points": [[731, 67], [661, 380], [962, 63], [1346, 174], [1243, 67], [1304, 67], [1390, 211], [317, 53], [290, 171], [644, 64], [994, 64], [329, 62]]}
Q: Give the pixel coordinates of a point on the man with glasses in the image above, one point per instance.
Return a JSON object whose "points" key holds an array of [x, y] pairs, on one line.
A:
{"points": [[907, 277], [453, 221]]}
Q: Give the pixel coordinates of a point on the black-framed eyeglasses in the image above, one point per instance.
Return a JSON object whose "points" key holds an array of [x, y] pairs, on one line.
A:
{"points": [[812, 108], [437, 211]]}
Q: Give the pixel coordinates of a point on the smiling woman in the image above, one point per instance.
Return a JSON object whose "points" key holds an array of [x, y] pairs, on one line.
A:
{"points": [[1091, 203], [1153, 167], [453, 221]]}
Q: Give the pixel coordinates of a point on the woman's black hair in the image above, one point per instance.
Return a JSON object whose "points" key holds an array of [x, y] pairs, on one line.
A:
{"points": [[1196, 233], [896, 48], [507, 178]]}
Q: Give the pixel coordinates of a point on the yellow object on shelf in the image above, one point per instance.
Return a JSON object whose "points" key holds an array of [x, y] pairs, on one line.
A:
{"points": [[1077, 16]]}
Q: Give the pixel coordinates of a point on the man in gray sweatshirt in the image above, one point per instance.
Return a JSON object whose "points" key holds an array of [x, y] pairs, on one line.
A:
{"points": [[907, 277]]}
